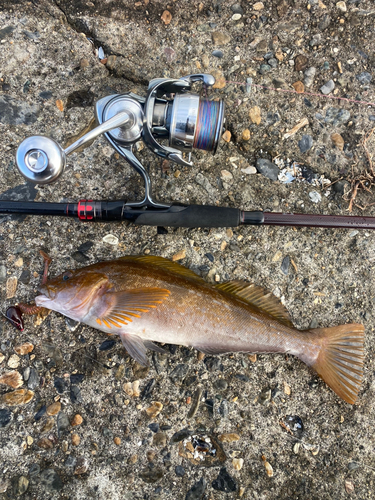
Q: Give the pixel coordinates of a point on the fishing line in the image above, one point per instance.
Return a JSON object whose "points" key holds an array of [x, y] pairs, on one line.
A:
{"points": [[207, 124], [248, 86]]}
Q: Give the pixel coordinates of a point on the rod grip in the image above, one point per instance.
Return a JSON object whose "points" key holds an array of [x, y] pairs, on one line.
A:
{"points": [[188, 216]]}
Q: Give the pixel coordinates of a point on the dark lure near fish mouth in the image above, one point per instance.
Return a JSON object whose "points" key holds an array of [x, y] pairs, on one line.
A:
{"points": [[146, 299]]}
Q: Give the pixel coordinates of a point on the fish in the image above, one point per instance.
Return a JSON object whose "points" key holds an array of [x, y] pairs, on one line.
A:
{"points": [[148, 299]]}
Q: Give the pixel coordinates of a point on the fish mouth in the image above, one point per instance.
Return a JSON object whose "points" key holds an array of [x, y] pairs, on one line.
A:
{"points": [[46, 292]]}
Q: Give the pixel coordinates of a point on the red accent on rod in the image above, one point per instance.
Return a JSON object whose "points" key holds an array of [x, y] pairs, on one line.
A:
{"points": [[317, 220], [85, 212]]}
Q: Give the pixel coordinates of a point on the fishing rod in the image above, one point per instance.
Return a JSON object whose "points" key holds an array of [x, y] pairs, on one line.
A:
{"points": [[169, 113]]}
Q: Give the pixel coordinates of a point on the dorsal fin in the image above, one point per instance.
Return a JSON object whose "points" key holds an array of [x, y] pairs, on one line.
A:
{"points": [[259, 297], [163, 263]]}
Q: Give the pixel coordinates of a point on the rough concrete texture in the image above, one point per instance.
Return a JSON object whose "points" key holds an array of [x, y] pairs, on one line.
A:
{"points": [[51, 77]]}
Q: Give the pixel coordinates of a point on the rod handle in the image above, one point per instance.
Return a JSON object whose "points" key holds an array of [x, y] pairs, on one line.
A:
{"points": [[186, 216]]}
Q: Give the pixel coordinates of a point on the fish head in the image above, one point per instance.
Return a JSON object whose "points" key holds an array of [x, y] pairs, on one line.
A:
{"points": [[73, 293]]}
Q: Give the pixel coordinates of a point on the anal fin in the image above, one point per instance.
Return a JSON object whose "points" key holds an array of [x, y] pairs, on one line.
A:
{"points": [[137, 347]]}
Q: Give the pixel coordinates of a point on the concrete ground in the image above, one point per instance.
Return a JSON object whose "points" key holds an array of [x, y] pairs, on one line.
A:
{"points": [[277, 412]]}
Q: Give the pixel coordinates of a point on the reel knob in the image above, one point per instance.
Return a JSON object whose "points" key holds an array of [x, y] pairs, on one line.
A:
{"points": [[40, 159]]}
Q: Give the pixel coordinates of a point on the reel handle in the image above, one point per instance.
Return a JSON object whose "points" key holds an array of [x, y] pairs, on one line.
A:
{"points": [[42, 160]]}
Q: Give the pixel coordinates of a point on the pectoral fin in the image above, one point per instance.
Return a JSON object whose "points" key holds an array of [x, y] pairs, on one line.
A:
{"points": [[120, 308], [137, 348]]}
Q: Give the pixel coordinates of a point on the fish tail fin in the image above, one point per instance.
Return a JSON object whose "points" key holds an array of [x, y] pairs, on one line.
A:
{"points": [[340, 360]]}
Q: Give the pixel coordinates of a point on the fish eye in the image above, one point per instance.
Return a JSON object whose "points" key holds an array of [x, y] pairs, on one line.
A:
{"points": [[66, 276]]}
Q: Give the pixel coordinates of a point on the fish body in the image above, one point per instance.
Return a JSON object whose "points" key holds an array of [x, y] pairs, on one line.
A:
{"points": [[150, 299]]}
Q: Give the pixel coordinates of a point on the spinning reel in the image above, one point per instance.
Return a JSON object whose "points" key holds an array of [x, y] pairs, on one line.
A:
{"points": [[170, 113]]}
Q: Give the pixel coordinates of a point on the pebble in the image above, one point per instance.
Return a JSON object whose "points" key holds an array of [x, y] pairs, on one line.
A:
{"points": [[179, 255], [223, 408], [325, 22], [166, 17], [285, 265], [179, 372], [349, 485], [224, 482], [217, 53], [5, 417], [226, 136], [267, 168], [245, 136], [151, 476], [237, 463], [62, 422], [249, 170], [220, 81], [340, 186], [24, 349], [229, 437], [337, 116], [226, 176], [220, 38], [77, 420], [111, 62], [315, 197], [12, 379], [236, 17], [196, 492], [264, 68], [82, 466], [39, 414], [3, 273], [117, 442], [54, 408], [269, 468], [50, 480], [159, 439], [75, 394], [341, 6], [49, 424], [273, 62], [33, 379], [296, 448], [13, 361], [305, 143], [76, 378], [148, 389], [195, 402], [298, 87], [258, 6], [338, 141], [18, 397], [295, 424], [236, 8], [300, 62], [45, 444], [327, 87], [75, 439], [111, 239], [154, 410], [364, 78], [106, 345], [20, 485], [11, 287], [254, 115], [180, 436], [179, 470]]}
